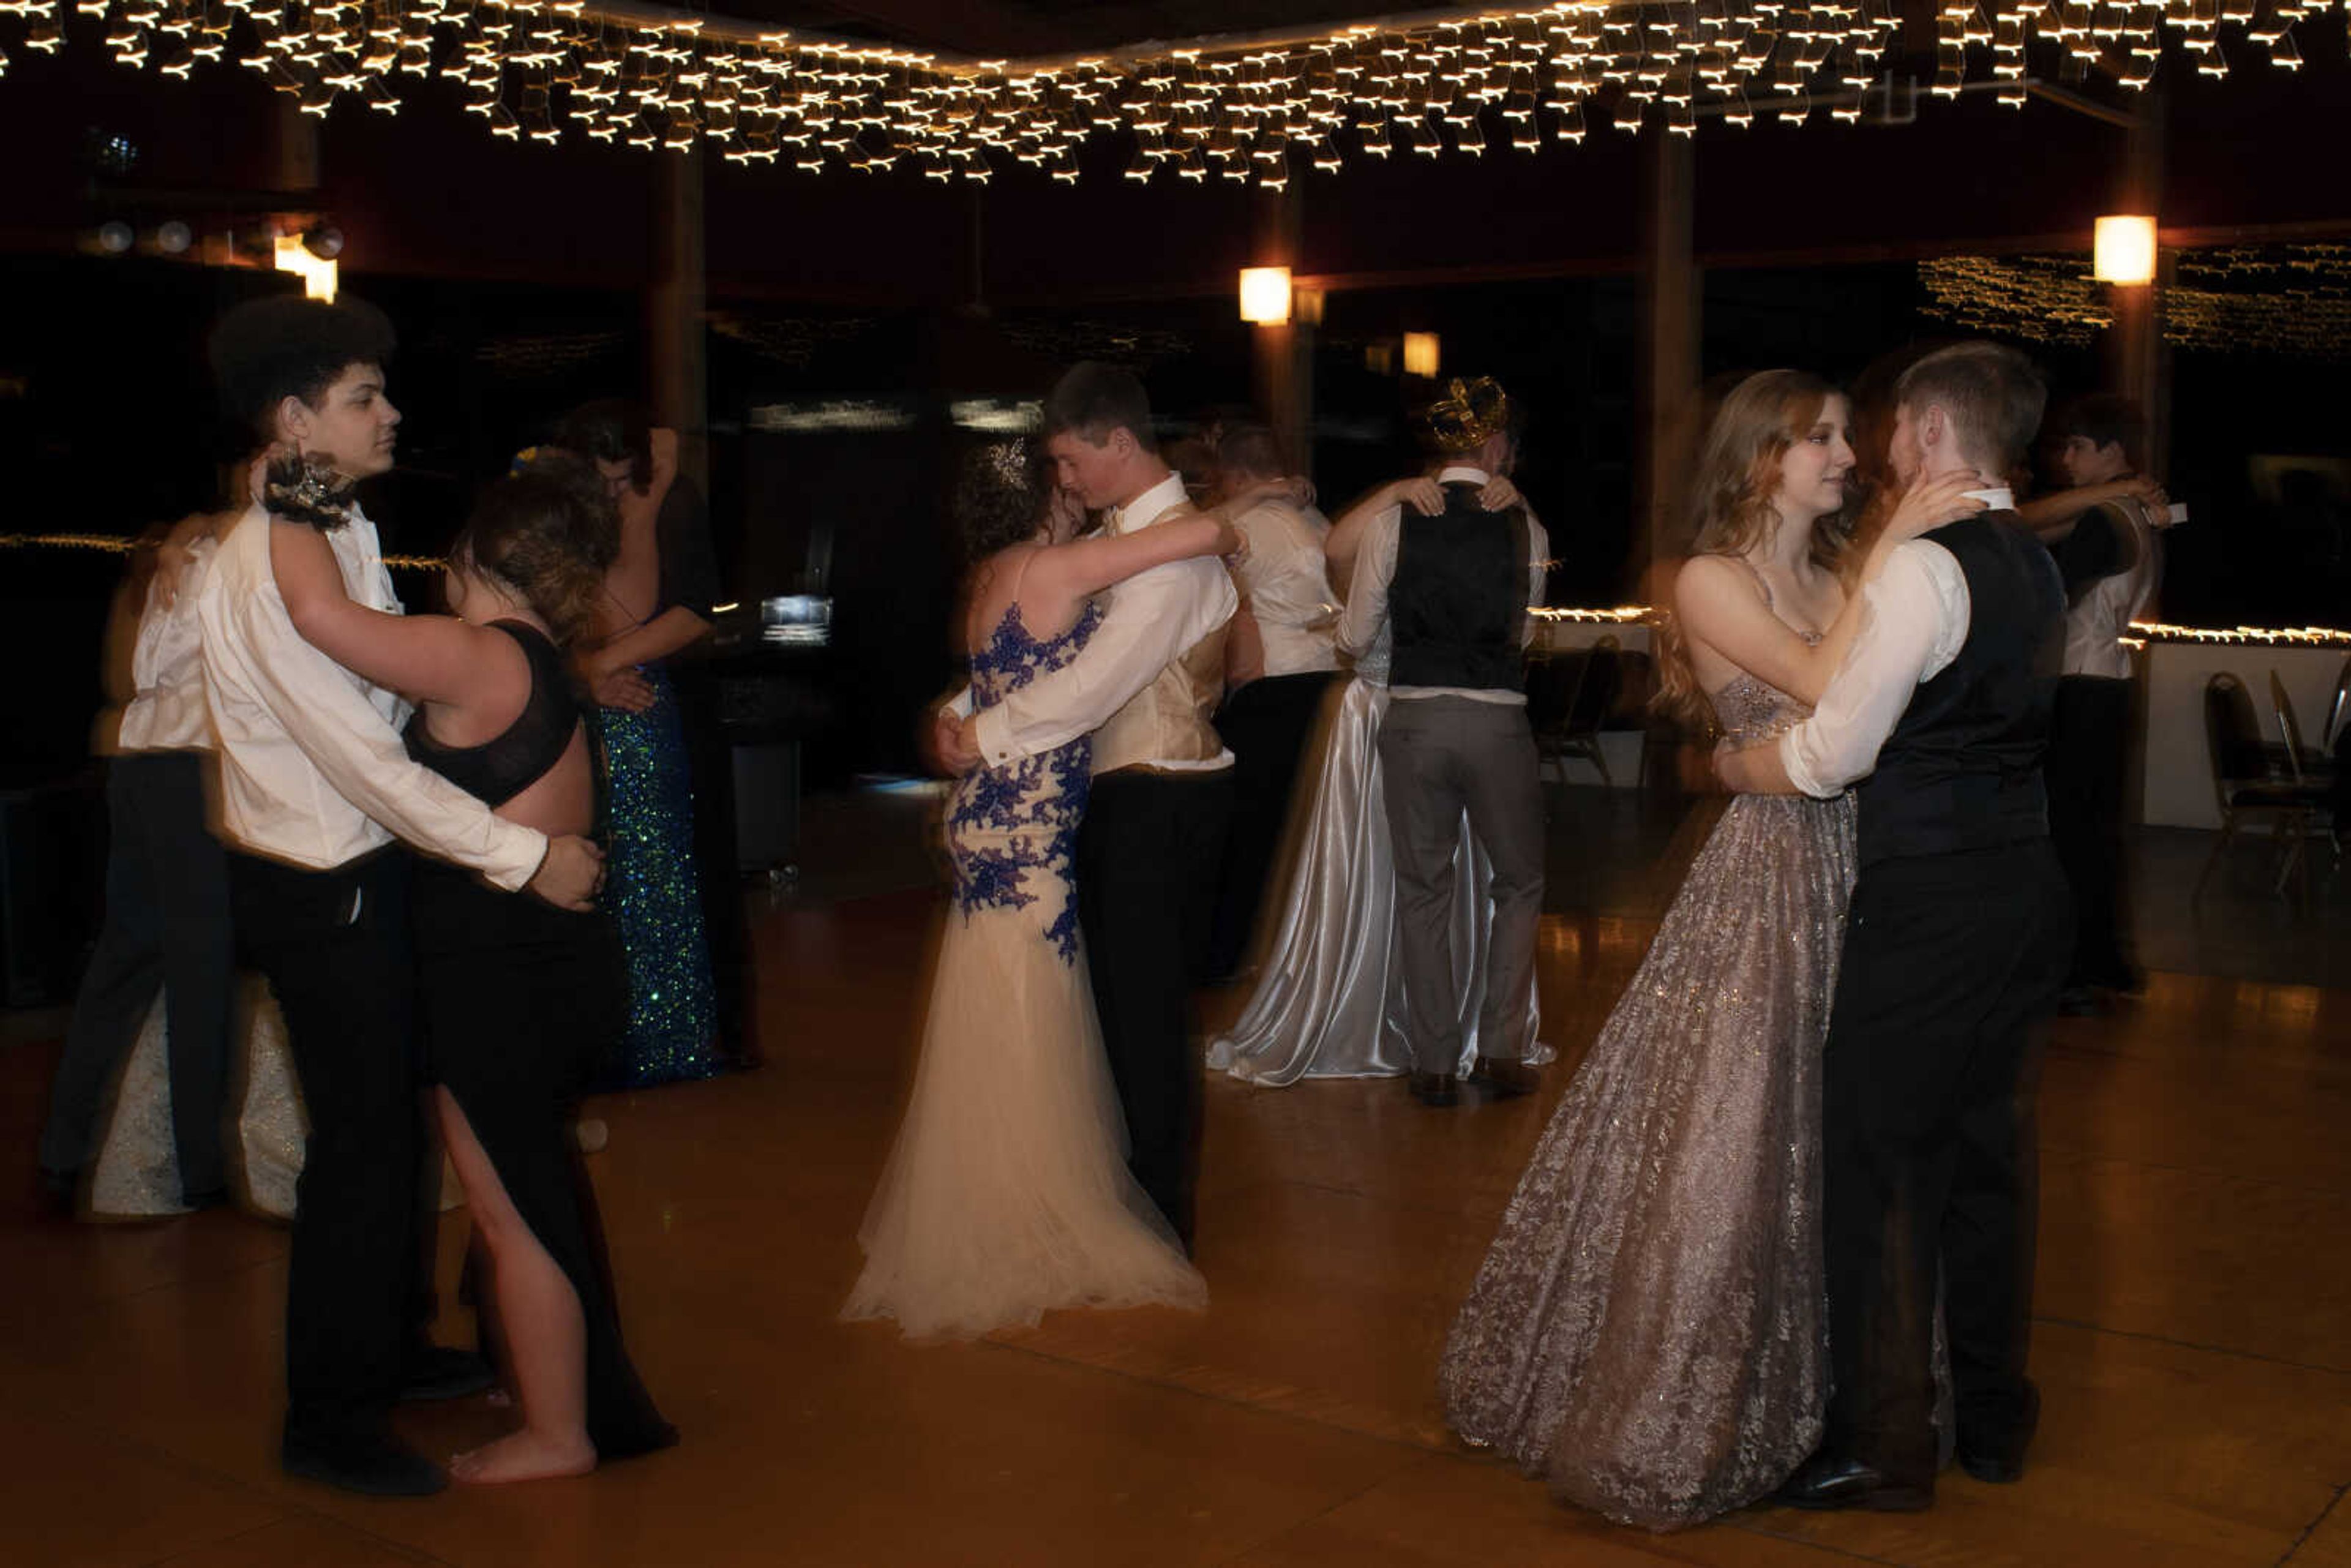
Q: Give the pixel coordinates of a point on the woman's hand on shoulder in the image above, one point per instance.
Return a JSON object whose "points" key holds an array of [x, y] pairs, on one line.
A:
{"points": [[1499, 495], [1422, 493], [1930, 503]]}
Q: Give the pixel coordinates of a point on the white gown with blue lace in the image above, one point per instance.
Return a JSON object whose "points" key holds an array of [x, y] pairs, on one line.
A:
{"points": [[1007, 1194]]}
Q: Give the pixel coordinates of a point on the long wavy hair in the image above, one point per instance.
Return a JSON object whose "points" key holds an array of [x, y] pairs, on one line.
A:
{"points": [[1732, 508]]}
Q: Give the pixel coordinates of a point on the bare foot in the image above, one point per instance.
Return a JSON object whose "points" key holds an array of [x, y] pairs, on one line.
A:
{"points": [[524, 1455]]}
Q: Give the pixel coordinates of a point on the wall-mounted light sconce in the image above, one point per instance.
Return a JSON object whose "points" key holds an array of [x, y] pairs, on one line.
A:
{"points": [[2124, 251], [1420, 354], [1265, 295]]}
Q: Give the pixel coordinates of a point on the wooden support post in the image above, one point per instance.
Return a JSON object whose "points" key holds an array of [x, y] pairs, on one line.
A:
{"points": [[676, 306], [297, 138], [1281, 359], [2137, 360], [1665, 402]]}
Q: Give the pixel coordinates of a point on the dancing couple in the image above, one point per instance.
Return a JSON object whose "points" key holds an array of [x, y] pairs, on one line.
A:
{"points": [[1049, 1152], [1717, 1275], [1334, 998], [344, 728]]}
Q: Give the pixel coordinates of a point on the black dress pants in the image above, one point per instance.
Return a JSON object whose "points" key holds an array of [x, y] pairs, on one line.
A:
{"points": [[1147, 859], [167, 924], [2089, 738], [1930, 1080], [1266, 724], [335, 947]]}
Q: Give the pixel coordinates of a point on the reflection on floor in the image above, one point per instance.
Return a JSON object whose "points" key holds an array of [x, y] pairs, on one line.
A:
{"points": [[2192, 1340]]}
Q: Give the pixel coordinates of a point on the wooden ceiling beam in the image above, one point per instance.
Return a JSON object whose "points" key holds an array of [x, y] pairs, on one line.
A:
{"points": [[988, 29]]}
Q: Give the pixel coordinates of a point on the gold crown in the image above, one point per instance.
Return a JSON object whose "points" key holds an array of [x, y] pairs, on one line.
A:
{"points": [[1467, 415]]}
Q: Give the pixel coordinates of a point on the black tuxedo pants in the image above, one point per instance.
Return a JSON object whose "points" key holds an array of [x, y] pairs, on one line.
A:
{"points": [[1147, 860], [1930, 1080], [167, 924], [335, 947], [2089, 745], [1266, 724]]}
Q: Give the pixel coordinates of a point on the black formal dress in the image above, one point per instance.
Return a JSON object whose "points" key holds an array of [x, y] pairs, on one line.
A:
{"points": [[518, 1001]]}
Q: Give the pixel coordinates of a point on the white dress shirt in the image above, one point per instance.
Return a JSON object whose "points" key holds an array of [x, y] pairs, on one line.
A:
{"points": [[1913, 623], [1289, 588], [312, 768], [167, 669], [1376, 561], [1149, 621]]}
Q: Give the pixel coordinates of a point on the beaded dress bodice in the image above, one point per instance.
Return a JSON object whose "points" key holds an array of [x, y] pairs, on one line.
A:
{"points": [[1751, 711]]}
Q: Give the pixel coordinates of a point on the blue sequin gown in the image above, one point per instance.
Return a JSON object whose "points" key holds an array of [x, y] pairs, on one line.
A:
{"points": [[650, 888], [1007, 1194]]}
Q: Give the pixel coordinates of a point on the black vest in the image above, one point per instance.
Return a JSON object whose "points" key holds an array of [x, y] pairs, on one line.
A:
{"points": [[1963, 768], [1457, 604]]}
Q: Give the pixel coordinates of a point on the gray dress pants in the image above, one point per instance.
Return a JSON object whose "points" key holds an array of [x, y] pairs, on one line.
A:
{"points": [[1440, 756]]}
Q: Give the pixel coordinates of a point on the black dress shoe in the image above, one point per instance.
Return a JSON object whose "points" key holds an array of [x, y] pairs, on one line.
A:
{"points": [[1435, 1088], [1826, 1481], [372, 1465], [1504, 1078], [443, 1371]]}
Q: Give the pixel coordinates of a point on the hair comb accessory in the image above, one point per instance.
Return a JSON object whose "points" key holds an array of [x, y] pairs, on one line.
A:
{"points": [[1008, 462], [1469, 414], [523, 460], [305, 489]]}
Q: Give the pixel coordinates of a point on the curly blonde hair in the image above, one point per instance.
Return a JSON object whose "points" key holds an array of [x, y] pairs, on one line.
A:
{"points": [[1732, 508]]}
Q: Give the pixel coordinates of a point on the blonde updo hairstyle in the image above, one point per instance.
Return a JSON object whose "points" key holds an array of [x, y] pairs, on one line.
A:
{"points": [[1732, 494], [548, 532]]}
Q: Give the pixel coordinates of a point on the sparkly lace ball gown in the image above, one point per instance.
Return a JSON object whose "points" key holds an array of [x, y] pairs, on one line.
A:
{"points": [[1329, 1001], [1648, 1331], [1007, 1193]]}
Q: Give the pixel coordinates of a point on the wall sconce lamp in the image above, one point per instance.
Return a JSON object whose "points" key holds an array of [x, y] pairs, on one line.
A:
{"points": [[1420, 356], [2124, 251], [1265, 295]]}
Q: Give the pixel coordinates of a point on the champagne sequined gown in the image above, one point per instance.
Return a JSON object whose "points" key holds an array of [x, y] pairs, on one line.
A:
{"points": [[1007, 1194], [1648, 1331]]}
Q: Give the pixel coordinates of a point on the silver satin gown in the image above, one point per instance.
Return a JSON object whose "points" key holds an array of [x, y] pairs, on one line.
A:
{"points": [[1330, 996], [1648, 1331]]}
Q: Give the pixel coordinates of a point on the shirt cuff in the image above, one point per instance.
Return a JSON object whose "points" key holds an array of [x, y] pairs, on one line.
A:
{"points": [[1792, 761], [519, 854], [992, 733]]}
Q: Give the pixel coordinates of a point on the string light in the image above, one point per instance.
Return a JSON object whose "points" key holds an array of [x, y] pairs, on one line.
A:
{"points": [[1247, 110], [2258, 636], [2290, 300]]}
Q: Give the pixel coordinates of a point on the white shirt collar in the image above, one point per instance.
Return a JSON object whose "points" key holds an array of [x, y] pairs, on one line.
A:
{"points": [[1995, 498], [1462, 473], [1146, 508]]}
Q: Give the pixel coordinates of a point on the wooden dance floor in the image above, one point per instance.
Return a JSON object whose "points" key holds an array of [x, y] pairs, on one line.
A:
{"points": [[2193, 1338]]}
